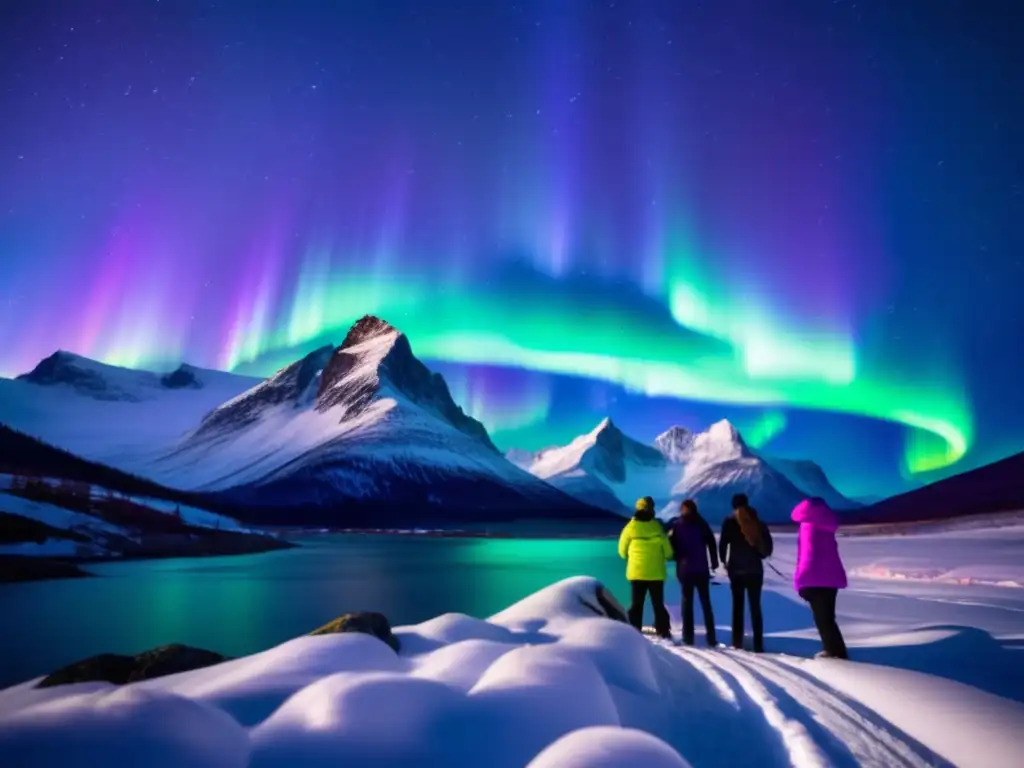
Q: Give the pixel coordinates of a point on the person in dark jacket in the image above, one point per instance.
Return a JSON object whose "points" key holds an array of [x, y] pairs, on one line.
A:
{"points": [[693, 543], [744, 543]]}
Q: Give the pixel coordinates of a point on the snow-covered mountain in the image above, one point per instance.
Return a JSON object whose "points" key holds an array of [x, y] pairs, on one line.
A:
{"points": [[604, 467], [112, 414], [676, 444], [100, 381], [365, 427], [810, 478], [721, 464], [610, 469]]}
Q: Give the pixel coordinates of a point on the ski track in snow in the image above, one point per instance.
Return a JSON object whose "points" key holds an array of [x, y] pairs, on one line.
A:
{"points": [[816, 725]]}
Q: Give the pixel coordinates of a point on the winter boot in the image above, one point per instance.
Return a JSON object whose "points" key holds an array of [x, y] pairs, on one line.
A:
{"points": [[828, 655]]}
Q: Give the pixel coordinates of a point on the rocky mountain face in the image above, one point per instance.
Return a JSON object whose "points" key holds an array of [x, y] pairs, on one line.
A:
{"points": [[708, 467]]}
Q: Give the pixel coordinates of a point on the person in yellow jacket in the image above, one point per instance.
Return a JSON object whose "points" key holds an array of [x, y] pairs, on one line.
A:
{"points": [[645, 548]]}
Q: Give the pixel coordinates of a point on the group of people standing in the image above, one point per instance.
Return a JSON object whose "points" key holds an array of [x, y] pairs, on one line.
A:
{"points": [[743, 545]]}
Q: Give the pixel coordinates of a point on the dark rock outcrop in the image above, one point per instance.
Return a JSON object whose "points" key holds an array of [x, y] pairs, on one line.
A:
{"points": [[366, 622], [400, 369], [610, 608], [184, 376], [77, 372], [18, 568], [120, 669], [289, 385]]}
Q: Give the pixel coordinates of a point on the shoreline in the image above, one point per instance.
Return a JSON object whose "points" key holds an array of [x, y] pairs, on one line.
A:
{"points": [[20, 569], [442, 533]]}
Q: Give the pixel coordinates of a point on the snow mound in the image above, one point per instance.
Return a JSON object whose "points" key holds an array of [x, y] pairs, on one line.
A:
{"points": [[549, 681], [126, 726], [603, 747]]}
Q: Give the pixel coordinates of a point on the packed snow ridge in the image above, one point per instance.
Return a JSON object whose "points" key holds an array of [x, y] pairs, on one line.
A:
{"points": [[552, 681]]}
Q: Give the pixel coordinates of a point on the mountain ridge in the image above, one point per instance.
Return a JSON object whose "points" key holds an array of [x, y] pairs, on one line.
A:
{"points": [[708, 466]]}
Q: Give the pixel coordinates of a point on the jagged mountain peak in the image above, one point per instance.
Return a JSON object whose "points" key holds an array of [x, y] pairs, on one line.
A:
{"points": [[365, 328], [720, 442], [675, 443], [184, 376], [374, 361]]}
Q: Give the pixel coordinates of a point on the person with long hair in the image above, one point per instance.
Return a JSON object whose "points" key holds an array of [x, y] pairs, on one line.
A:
{"points": [[819, 573], [645, 548], [744, 543], [693, 542]]}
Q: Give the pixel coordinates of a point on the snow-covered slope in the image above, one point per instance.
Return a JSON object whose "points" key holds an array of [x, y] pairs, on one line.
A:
{"points": [[364, 424], [604, 467], [676, 444], [810, 478], [50, 517], [608, 468], [550, 681], [721, 464], [111, 414]]}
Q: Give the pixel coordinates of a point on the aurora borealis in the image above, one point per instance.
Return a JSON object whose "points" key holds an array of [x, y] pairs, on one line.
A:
{"points": [[806, 216]]}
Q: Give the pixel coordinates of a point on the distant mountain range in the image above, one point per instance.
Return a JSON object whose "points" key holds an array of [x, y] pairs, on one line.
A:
{"points": [[364, 435], [996, 487], [607, 468], [360, 435]]}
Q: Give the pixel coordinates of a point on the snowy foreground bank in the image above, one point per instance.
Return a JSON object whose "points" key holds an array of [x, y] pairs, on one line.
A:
{"points": [[551, 681]]}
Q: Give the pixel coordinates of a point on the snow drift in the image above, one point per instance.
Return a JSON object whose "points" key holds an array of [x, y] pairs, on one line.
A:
{"points": [[551, 680]]}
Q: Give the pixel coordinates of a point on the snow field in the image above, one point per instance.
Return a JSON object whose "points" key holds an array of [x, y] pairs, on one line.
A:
{"points": [[544, 683]]}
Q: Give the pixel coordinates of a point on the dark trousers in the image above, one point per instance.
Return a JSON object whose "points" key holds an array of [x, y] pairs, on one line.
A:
{"points": [[823, 605], [702, 584], [636, 607], [749, 586]]}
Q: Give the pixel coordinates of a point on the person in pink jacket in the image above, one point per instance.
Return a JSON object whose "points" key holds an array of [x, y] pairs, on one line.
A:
{"points": [[819, 571]]}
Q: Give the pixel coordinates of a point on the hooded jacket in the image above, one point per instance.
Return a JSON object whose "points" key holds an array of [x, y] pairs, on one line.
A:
{"points": [[693, 542], [817, 553], [645, 548]]}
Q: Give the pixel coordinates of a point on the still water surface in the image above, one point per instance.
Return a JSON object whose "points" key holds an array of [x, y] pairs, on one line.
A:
{"points": [[239, 605]]}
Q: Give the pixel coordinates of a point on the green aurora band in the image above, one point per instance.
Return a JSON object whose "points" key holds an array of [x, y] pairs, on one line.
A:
{"points": [[693, 344]]}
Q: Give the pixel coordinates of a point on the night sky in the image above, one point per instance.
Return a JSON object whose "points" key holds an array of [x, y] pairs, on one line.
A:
{"points": [[802, 215]]}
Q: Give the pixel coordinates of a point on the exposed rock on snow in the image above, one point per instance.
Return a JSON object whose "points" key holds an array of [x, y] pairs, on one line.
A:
{"points": [[676, 443], [119, 669], [366, 622]]}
